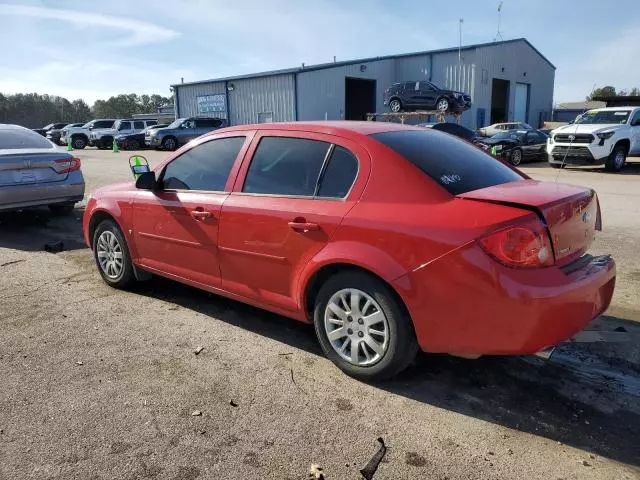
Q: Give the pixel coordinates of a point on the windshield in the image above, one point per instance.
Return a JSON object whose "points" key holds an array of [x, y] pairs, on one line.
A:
{"points": [[604, 117], [47, 127], [511, 135], [176, 123]]}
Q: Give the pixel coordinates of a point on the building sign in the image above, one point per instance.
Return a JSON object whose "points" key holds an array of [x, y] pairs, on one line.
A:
{"points": [[212, 104]]}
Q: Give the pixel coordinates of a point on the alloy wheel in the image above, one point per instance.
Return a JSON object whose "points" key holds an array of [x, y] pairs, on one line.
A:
{"points": [[443, 104], [356, 327], [516, 157], [109, 253], [395, 106]]}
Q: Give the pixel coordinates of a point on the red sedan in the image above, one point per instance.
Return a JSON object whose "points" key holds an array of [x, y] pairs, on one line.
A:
{"points": [[387, 238]]}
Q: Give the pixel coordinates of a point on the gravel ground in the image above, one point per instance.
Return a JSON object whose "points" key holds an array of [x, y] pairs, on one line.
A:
{"points": [[97, 383]]}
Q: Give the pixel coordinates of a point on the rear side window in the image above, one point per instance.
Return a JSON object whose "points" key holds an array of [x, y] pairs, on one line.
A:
{"points": [[209, 123], [151, 122], [339, 174], [124, 126], [456, 165], [286, 166], [13, 139], [205, 167], [138, 125]]}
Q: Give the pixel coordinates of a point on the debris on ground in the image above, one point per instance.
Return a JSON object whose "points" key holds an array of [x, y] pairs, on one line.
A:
{"points": [[196, 413], [79, 362], [54, 247], [509, 451], [316, 473], [585, 463], [198, 350], [280, 354], [370, 468], [294, 382], [232, 403], [6, 264]]}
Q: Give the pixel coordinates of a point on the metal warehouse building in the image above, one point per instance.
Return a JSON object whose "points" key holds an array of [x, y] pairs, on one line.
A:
{"points": [[508, 80]]}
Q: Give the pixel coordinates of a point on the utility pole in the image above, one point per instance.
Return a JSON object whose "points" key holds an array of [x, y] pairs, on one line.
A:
{"points": [[460, 44]]}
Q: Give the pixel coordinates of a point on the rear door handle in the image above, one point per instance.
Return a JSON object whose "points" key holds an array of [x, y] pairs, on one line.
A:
{"points": [[303, 227], [200, 214]]}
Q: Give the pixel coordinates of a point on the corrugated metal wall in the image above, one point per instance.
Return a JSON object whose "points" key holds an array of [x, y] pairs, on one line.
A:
{"points": [[187, 95], [250, 97], [515, 62], [321, 92]]}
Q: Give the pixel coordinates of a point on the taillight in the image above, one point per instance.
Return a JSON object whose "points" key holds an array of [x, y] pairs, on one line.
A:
{"points": [[524, 245], [66, 166]]}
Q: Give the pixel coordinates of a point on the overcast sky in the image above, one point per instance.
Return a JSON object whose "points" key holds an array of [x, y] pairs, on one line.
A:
{"points": [[94, 49]]}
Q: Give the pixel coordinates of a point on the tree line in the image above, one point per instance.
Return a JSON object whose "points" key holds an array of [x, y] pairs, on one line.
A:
{"points": [[33, 110], [610, 91]]}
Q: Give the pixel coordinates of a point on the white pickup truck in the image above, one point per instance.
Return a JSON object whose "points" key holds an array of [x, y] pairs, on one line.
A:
{"points": [[605, 136], [79, 136]]}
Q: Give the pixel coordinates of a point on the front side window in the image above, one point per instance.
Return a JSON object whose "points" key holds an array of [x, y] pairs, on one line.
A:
{"points": [[286, 166], [426, 87], [124, 126], [636, 118], [454, 164], [339, 174], [138, 125], [103, 124], [189, 124], [205, 167]]}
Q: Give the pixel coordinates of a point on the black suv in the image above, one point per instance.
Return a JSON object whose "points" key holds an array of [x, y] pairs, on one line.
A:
{"points": [[181, 131], [405, 96]]}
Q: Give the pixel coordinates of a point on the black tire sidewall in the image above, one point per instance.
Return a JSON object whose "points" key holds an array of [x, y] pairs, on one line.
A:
{"points": [[167, 140], [78, 147], [610, 164], [402, 346], [127, 275], [511, 157], [399, 104], [448, 104]]}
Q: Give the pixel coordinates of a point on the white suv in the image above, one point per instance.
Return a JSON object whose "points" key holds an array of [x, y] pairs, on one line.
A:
{"points": [[79, 136], [604, 136], [103, 138]]}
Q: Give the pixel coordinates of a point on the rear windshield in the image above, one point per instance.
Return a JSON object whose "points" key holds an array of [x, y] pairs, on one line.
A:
{"points": [[16, 138], [456, 165]]}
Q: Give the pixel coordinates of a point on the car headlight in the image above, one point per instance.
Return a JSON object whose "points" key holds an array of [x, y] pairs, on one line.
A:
{"points": [[605, 135], [457, 96]]}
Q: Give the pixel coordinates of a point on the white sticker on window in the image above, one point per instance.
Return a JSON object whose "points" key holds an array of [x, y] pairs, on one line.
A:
{"points": [[449, 179], [621, 113]]}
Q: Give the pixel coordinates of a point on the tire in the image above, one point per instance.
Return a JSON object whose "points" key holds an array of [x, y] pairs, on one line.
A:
{"points": [[170, 143], [113, 276], [515, 158], [617, 159], [103, 146], [395, 105], [78, 142], [442, 104], [395, 351], [62, 209], [555, 165], [133, 145]]}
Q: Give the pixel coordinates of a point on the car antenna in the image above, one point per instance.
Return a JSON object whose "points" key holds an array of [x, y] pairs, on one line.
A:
{"points": [[573, 137]]}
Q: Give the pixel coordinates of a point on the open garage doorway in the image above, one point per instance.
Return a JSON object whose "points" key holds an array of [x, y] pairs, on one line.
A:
{"points": [[359, 98], [499, 101]]}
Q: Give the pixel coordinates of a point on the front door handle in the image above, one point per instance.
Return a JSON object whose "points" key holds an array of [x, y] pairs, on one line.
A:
{"points": [[303, 227], [200, 214]]}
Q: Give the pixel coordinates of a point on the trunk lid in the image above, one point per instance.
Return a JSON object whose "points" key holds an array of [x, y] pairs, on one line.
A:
{"points": [[571, 213], [23, 167]]}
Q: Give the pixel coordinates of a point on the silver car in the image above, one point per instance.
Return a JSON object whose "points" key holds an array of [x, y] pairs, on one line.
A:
{"points": [[33, 172]]}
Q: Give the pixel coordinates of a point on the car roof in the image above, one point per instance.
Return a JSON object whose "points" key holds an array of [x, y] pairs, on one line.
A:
{"points": [[11, 126], [328, 127], [612, 109]]}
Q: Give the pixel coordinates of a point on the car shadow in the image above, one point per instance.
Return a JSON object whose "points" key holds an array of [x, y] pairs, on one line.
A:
{"points": [[31, 229], [581, 397]]}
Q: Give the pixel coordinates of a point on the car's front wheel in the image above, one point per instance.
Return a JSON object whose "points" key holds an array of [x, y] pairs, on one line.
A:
{"points": [[616, 159], [112, 255], [79, 143], [362, 327], [516, 157], [442, 105]]}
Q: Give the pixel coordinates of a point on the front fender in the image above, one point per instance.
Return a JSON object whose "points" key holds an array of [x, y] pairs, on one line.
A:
{"points": [[119, 210], [357, 254]]}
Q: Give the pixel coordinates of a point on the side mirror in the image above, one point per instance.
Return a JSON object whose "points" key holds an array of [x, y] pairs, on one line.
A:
{"points": [[147, 181], [91, 127]]}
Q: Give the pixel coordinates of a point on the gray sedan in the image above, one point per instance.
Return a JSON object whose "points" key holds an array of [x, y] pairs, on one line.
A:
{"points": [[33, 172]]}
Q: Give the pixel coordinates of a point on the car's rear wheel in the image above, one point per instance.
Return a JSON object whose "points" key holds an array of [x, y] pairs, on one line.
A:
{"points": [[112, 255], [104, 145], [362, 327], [395, 105], [616, 159], [442, 105], [516, 157], [79, 143], [170, 143], [132, 145]]}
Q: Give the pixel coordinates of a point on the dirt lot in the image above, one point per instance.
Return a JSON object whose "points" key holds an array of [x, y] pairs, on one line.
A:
{"points": [[101, 384]]}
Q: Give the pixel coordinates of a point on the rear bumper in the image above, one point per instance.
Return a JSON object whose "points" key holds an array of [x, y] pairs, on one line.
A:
{"points": [[466, 303], [16, 197]]}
